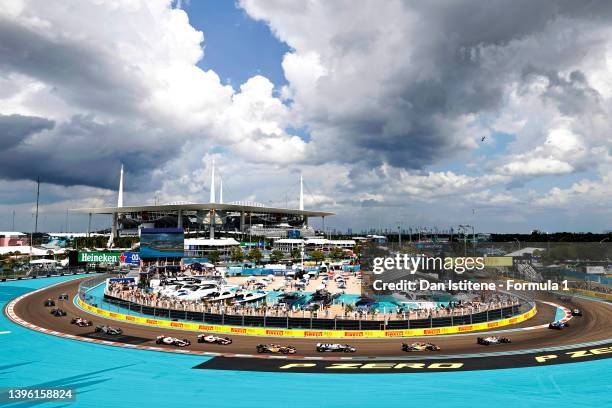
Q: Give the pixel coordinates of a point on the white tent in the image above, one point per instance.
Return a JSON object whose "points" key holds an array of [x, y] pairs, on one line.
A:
{"points": [[42, 262]]}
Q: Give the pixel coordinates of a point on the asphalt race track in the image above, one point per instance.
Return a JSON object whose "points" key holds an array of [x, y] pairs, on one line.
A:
{"points": [[594, 326]]}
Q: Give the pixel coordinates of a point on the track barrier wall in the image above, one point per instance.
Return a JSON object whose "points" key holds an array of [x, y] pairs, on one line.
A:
{"points": [[303, 327]]}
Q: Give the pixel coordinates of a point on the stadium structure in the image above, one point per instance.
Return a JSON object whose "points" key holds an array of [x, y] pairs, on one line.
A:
{"points": [[239, 217]]}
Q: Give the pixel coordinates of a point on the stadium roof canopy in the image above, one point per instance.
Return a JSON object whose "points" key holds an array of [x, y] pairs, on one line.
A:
{"points": [[202, 207]]}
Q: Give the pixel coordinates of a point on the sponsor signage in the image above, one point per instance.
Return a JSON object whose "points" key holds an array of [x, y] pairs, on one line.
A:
{"points": [[131, 258], [596, 270], [110, 257], [355, 366], [99, 257]]}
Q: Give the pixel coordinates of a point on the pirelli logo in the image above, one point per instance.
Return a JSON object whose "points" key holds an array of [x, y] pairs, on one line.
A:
{"points": [[130, 318], [238, 330], [176, 324], [274, 332], [313, 334], [206, 327], [113, 314], [432, 331], [394, 333], [353, 334], [492, 324], [464, 328], [151, 321]]}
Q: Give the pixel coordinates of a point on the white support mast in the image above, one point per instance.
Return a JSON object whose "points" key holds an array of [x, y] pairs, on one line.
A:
{"points": [[220, 190], [301, 192], [120, 195], [114, 226], [212, 183]]}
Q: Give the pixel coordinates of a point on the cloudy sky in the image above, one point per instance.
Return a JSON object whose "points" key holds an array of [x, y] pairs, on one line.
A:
{"points": [[494, 113]]}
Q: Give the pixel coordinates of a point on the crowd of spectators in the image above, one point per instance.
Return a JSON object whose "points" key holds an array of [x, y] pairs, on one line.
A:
{"points": [[133, 294]]}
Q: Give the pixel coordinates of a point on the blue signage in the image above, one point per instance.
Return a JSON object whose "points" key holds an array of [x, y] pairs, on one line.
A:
{"points": [[132, 258]]}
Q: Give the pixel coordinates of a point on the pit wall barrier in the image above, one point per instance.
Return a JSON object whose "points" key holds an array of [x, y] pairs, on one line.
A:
{"points": [[306, 333]]}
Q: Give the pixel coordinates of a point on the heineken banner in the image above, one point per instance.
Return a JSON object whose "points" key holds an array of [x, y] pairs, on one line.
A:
{"points": [[110, 257]]}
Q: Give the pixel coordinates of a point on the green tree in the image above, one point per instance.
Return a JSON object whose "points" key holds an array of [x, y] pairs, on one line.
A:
{"points": [[296, 254], [317, 255], [336, 253], [237, 255], [255, 255], [213, 256], [277, 256]]}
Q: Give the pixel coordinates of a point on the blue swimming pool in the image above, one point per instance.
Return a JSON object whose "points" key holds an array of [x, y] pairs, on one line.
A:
{"points": [[116, 377]]}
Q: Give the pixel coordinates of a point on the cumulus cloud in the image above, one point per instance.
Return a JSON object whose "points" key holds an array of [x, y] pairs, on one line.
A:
{"points": [[395, 96], [125, 92]]}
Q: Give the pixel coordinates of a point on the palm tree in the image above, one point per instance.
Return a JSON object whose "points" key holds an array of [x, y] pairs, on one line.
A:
{"points": [[296, 254]]}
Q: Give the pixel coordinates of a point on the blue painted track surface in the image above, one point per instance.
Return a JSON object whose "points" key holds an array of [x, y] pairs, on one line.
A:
{"points": [[117, 377]]}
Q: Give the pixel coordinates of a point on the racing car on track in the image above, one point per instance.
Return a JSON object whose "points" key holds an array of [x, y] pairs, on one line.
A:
{"points": [[576, 312], [335, 347], [419, 346], [558, 325], [79, 321], [487, 341], [275, 348], [57, 312], [49, 303], [202, 338], [104, 329], [172, 341]]}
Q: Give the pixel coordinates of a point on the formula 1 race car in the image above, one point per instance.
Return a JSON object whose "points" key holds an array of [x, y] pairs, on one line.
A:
{"points": [[104, 329], [275, 348], [57, 312], [49, 303], [172, 341], [335, 347], [420, 347], [224, 341], [558, 325], [79, 321], [576, 312], [487, 341], [63, 296]]}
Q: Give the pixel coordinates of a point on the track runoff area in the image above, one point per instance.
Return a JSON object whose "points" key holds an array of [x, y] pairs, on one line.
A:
{"points": [[588, 338]]}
